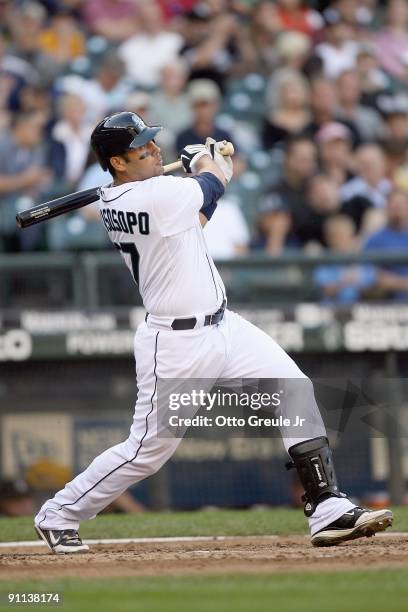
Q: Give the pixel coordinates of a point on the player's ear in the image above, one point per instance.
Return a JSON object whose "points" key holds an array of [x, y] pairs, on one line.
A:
{"points": [[118, 163]]}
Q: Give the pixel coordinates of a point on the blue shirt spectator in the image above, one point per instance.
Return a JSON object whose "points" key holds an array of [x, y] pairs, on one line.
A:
{"points": [[339, 283], [346, 282], [393, 280]]}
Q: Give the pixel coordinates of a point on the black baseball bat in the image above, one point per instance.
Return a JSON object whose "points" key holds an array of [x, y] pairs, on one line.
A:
{"points": [[59, 206]]}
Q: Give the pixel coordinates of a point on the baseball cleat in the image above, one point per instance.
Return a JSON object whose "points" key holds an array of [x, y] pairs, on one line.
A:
{"points": [[356, 523], [62, 542]]}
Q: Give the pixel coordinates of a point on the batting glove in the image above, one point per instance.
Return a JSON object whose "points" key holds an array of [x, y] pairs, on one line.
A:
{"points": [[190, 155], [223, 162]]}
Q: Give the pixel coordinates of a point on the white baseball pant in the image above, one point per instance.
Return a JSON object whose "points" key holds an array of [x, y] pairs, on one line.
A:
{"points": [[233, 349]]}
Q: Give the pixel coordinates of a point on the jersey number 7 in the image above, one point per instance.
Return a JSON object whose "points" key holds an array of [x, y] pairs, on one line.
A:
{"points": [[129, 248]]}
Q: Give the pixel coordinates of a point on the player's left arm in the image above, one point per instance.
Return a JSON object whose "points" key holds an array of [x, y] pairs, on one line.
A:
{"points": [[212, 189], [211, 170]]}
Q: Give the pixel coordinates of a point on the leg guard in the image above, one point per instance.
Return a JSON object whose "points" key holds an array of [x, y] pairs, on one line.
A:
{"points": [[313, 462]]}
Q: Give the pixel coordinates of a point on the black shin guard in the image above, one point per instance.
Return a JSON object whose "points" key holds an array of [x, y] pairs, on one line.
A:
{"points": [[314, 464]]}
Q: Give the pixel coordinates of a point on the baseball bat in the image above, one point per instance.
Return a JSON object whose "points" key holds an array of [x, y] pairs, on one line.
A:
{"points": [[72, 201]]}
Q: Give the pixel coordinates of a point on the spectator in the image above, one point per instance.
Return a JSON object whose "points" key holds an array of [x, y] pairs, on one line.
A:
{"points": [[296, 15], [216, 45], [139, 102], [26, 25], [62, 39], [72, 131], [23, 173], [335, 151], [170, 106], [227, 236], [367, 121], [404, 75], [115, 20], [205, 98], [15, 73], [394, 142], [5, 91], [287, 199], [392, 281], [339, 51], [324, 105], [15, 498], [93, 176], [106, 92], [151, 48], [291, 113], [293, 49], [392, 40], [324, 201], [265, 25], [340, 283], [373, 81], [172, 10], [35, 98], [297, 221], [371, 181], [355, 13]]}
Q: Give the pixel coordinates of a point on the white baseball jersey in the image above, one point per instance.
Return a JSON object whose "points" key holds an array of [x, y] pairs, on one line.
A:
{"points": [[155, 224]]}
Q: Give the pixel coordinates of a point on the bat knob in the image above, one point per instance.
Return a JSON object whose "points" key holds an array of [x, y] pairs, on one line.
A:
{"points": [[226, 148]]}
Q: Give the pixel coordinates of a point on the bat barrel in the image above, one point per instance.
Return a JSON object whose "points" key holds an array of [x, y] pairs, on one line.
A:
{"points": [[56, 207]]}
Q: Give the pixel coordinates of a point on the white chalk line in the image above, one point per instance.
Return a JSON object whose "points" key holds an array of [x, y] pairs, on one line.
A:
{"points": [[164, 540]]}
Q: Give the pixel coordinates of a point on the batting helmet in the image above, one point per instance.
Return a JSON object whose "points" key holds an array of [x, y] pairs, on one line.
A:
{"points": [[118, 133]]}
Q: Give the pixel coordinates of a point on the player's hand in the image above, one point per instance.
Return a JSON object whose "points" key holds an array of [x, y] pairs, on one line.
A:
{"points": [[190, 155], [224, 162]]}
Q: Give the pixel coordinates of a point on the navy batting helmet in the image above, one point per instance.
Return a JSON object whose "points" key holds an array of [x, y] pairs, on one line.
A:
{"points": [[119, 133]]}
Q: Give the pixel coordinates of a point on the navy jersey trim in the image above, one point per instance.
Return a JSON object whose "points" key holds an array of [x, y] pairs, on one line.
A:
{"points": [[117, 197], [139, 447]]}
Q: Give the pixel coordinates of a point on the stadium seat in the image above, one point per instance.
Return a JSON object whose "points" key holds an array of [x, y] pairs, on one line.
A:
{"points": [[76, 233]]}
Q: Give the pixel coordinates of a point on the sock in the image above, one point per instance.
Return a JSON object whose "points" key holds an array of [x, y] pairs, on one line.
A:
{"points": [[329, 511]]}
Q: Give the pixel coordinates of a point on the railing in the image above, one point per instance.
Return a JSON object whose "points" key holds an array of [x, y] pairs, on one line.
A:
{"points": [[93, 279]]}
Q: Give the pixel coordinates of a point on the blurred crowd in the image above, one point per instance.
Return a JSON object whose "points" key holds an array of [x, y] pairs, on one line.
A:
{"points": [[313, 95]]}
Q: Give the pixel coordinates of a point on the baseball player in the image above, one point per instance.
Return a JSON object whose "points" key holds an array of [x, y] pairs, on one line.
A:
{"points": [[156, 221]]}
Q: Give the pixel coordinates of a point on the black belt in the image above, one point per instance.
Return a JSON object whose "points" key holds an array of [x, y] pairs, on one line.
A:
{"points": [[211, 319]]}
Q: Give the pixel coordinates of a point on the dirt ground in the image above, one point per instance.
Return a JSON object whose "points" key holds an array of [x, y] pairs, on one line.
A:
{"points": [[235, 555]]}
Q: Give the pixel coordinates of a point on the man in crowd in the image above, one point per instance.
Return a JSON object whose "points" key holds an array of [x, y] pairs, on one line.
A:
{"points": [[205, 99], [392, 281], [23, 174], [288, 195]]}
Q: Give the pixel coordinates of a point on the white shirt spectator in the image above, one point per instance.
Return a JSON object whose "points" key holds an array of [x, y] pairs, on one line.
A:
{"points": [[145, 55], [227, 234], [336, 60], [359, 187], [94, 176], [98, 101], [76, 146]]}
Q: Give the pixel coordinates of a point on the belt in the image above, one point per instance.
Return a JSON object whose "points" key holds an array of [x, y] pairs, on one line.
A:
{"points": [[191, 322]]}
